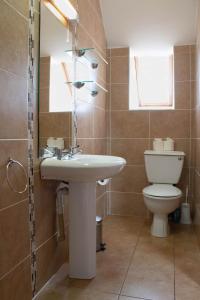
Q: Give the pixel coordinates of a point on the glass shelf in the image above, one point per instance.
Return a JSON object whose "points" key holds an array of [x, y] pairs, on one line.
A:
{"points": [[91, 85], [92, 55]]}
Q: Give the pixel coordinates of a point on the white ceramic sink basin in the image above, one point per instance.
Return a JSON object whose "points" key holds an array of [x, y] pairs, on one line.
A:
{"points": [[82, 168]]}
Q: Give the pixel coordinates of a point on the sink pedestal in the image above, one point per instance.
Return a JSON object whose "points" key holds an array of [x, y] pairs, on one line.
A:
{"points": [[82, 230]]}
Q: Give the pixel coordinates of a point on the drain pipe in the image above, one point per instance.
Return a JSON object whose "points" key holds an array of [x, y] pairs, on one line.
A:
{"points": [[61, 192]]}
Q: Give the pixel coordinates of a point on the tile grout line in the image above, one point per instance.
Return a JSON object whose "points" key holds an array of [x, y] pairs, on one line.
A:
{"points": [[45, 242], [16, 10], [109, 129], [13, 205], [174, 267], [15, 267], [131, 258]]}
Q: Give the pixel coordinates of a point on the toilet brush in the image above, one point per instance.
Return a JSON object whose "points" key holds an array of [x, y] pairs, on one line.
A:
{"points": [[185, 210]]}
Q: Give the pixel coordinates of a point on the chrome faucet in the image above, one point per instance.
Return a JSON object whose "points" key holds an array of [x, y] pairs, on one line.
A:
{"points": [[74, 150], [46, 152], [59, 153]]}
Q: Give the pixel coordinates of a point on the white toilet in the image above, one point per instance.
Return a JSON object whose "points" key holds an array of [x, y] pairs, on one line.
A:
{"points": [[163, 170]]}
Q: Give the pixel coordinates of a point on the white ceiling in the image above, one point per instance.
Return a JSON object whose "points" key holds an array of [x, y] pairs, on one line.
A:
{"points": [[149, 24]]}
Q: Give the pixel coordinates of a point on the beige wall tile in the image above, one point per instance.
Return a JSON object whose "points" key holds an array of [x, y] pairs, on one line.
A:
{"points": [[184, 180], [182, 66], [119, 97], [14, 234], [99, 36], [86, 145], [184, 145], [197, 191], [196, 123], [85, 120], [119, 52], [84, 40], [193, 53], [87, 17], [182, 95], [119, 69], [194, 102], [55, 124], [96, 6], [100, 100], [20, 6], [108, 71], [18, 150], [185, 49], [131, 179], [45, 209], [44, 100], [17, 284], [195, 154], [100, 190], [13, 101], [14, 57], [36, 5], [49, 258], [127, 204], [131, 149], [101, 208], [130, 124], [100, 146], [99, 123], [44, 72], [174, 124]]}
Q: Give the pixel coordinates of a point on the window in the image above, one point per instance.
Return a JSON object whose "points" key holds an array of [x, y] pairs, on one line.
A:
{"points": [[151, 82]]}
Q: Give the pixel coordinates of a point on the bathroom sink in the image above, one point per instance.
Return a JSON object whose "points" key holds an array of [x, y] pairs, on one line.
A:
{"points": [[82, 172], [82, 168]]}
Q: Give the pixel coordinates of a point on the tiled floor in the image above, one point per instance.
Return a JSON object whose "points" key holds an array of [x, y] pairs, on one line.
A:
{"points": [[138, 266]]}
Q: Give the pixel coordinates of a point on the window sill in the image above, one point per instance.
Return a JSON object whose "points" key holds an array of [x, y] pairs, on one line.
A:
{"points": [[152, 108]]}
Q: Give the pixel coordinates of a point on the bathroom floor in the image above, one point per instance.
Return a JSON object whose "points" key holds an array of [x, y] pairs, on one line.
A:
{"points": [[138, 266]]}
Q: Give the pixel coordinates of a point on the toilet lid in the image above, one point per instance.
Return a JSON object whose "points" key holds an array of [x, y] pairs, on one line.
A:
{"points": [[162, 190]]}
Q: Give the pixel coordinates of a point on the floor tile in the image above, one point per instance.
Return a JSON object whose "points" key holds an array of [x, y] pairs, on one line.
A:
{"points": [[151, 272], [187, 264], [131, 298], [75, 294]]}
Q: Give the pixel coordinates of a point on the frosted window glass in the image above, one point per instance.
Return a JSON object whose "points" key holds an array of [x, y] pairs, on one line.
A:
{"points": [[152, 82]]}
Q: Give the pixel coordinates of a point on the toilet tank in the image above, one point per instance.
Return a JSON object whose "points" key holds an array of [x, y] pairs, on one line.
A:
{"points": [[164, 167]]}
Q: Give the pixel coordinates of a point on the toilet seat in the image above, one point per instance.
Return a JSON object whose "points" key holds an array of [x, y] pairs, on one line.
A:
{"points": [[162, 191]]}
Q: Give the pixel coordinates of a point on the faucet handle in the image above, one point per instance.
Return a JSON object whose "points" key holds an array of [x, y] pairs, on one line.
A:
{"points": [[74, 150], [46, 151]]}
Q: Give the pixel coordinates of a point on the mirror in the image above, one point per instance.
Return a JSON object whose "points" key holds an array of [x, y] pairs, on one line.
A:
{"points": [[70, 78], [55, 70]]}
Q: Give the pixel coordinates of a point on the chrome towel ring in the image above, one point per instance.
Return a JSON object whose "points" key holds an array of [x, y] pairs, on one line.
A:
{"points": [[9, 163]]}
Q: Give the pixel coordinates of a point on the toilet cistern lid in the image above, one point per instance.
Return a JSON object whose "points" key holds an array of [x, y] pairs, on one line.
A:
{"points": [[162, 190]]}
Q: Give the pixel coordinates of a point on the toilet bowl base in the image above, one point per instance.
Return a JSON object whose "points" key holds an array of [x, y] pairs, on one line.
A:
{"points": [[160, 227]]}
